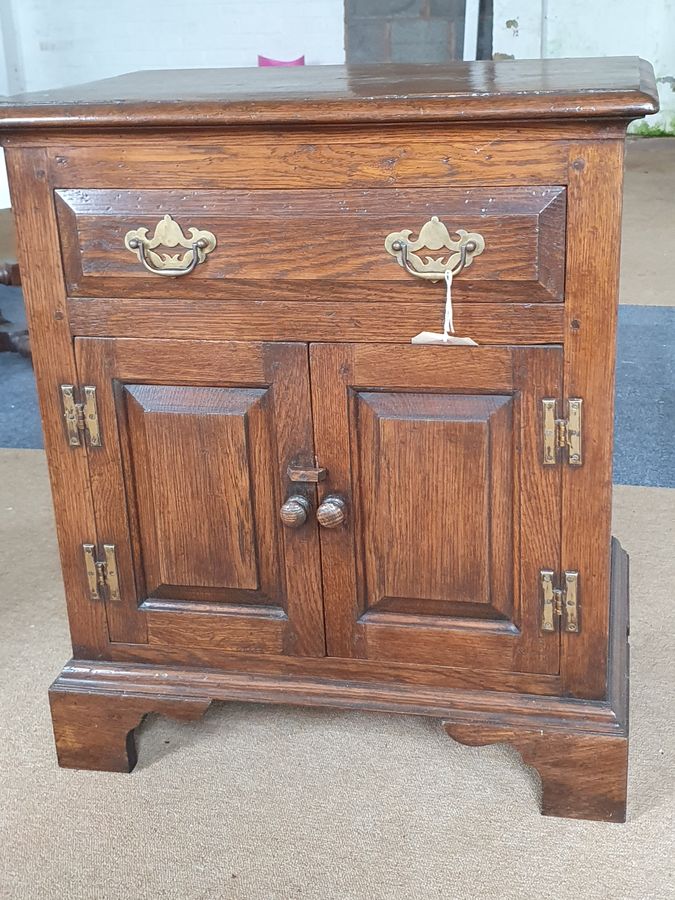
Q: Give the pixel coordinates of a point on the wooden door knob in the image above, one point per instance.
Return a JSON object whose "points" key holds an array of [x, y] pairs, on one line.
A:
{"points": [[294, 511], [332, 512]]}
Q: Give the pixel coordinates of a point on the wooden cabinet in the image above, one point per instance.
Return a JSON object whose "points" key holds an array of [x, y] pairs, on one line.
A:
{"points": [[263, 489]]}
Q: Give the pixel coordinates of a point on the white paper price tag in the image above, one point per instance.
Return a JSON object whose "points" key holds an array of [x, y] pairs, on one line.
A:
{"points": [[448, 336]]}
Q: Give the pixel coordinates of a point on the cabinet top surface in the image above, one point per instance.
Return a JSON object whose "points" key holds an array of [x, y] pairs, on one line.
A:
{"points": [[618, 87]]}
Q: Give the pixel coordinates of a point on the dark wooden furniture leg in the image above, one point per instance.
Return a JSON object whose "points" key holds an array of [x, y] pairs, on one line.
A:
{"points": [[582, 776], [13, 339], [96, 730], [9, 273]]}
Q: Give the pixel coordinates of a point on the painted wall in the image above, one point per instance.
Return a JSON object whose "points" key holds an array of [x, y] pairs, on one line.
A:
{"points": [[72, 41], [55, 43], [526, 29]]}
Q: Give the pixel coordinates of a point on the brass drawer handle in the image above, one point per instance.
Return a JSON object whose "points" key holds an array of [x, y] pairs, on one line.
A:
{"points": [[293, 512], [434, 236], [168, 233], [332, 512]]}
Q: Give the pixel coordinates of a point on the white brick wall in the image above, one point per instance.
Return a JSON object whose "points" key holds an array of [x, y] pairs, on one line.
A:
{"points": [[72, 41], [54, 43], [527, 29]]}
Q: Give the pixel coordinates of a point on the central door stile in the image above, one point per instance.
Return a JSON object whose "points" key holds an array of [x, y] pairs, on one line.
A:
{"points": [[296, 450], [330, 368]]}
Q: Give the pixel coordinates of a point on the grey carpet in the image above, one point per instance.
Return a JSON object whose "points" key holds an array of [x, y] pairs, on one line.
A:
{"points": [[19, 414], [644, 450]]}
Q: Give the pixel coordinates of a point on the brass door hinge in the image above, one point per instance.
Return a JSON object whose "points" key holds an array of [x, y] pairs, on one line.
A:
{"points": [[81, 418], [562, 435], [101, 574], [559, 604]]}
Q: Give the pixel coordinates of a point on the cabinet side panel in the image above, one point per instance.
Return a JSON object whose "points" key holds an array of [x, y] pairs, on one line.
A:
{"points": [[593, 245], [40, 263]]}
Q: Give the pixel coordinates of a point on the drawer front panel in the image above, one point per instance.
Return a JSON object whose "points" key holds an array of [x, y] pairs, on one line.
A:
{"points": [[311, 245]]}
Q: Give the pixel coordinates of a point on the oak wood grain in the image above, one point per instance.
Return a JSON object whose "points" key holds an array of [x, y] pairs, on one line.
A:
{"points": [[562, 737], [372, 429], [249, 631], [188, 493], [433, 495], [54, 363], [284, 162], [582, 776], [537, 373], [537, 89], [467, 705], [96, 731], [618, 668], [288, 238], [256, 318], [338, 669], [595, 173], [578, 747], [198, 438], [477, 132], [294, 351]]}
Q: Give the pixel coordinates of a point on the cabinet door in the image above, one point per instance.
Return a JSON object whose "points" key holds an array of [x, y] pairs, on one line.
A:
{"points": [[197, 440], [449, 512]]}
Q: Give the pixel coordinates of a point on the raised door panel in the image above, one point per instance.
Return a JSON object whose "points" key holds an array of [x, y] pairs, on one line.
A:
{"points": [[434, 494], [450, 513], [196, 453], [198, 438]]}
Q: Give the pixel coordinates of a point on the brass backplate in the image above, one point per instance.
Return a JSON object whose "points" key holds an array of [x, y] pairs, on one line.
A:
{"points": [[434, 236], [169, 234]]}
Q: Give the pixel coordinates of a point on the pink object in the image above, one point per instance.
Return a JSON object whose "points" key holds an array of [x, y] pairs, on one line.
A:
{"points": [[266, 61]]}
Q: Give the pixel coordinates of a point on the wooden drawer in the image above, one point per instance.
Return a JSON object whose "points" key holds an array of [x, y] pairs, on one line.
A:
{"points": [[314, 245]]}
